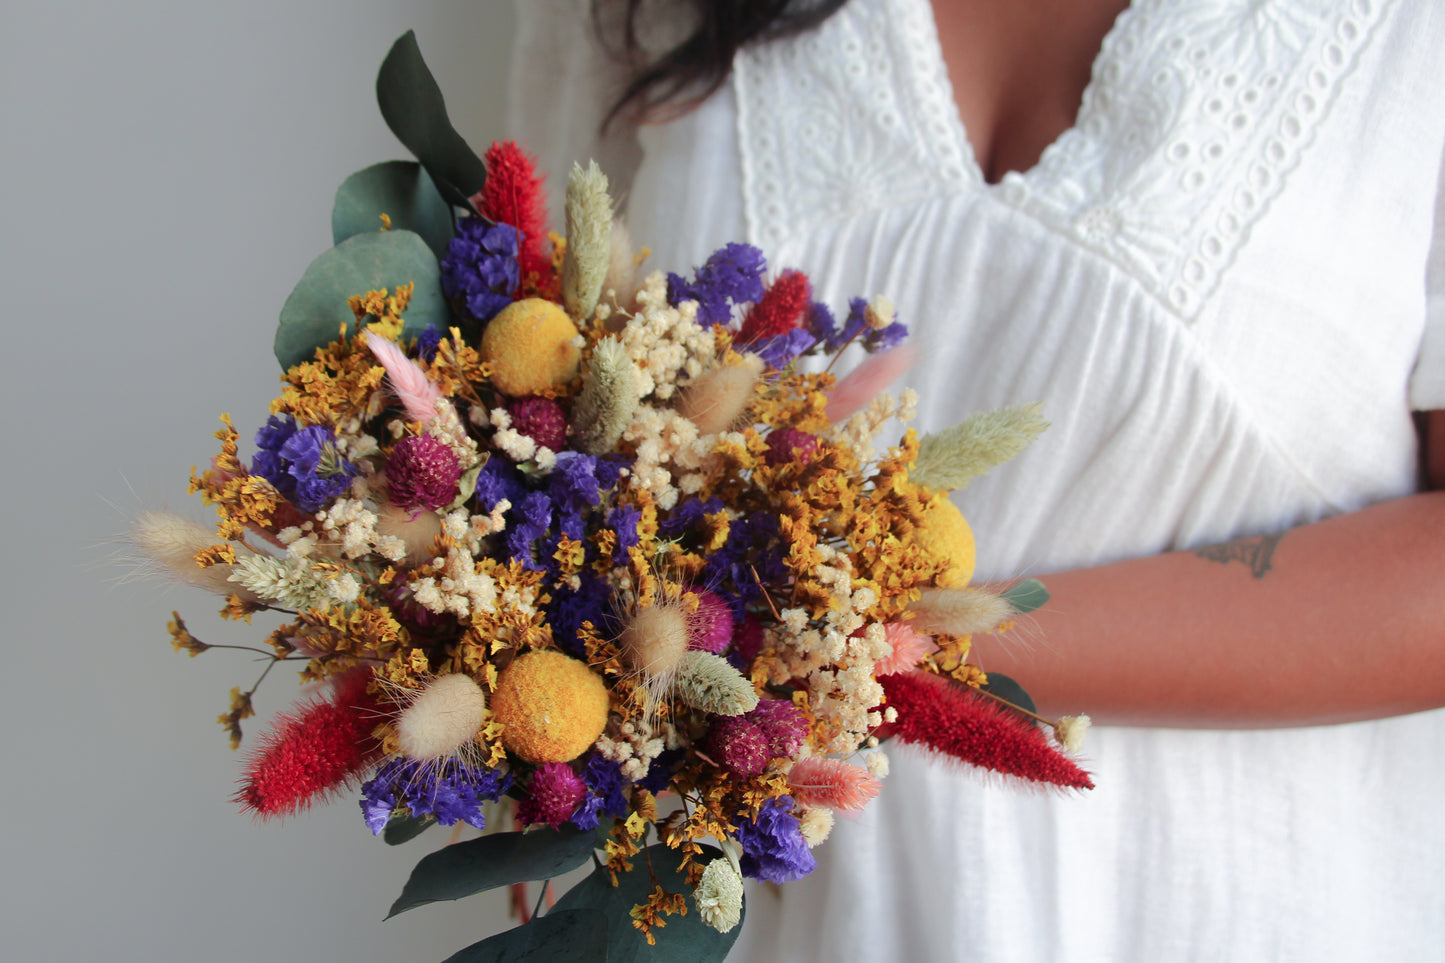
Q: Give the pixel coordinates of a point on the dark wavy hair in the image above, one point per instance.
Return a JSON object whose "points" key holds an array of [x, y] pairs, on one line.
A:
{"points": [[683, 77]]}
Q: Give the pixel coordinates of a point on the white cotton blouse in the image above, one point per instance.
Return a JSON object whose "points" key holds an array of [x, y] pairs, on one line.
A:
{"points": [[1219, 283]]}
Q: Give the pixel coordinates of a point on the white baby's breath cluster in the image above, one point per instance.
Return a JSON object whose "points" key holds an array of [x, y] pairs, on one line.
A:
{"points": [[835, 664], [634, 745], [666, 343]]}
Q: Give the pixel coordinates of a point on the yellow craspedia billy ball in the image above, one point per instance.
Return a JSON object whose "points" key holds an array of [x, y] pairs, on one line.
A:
{"points": [[531, 346], [945, 539], [552, 706]]}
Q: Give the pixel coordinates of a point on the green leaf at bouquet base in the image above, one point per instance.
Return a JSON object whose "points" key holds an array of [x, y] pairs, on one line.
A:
{"points": [[685, 938], [412, 105], [1026, 596], [497, 859], [579, 934], [316, 309], [404, 193], [403, 829]]}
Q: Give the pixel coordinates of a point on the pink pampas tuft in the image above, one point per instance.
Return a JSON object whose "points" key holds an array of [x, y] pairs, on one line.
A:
{"points": [[832, 783], [853, 392]]}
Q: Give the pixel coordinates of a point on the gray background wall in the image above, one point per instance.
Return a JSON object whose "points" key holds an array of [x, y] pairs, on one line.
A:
{"points": [[167, 175]]}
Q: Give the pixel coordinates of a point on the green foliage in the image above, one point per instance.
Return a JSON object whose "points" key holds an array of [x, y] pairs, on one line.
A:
{"points": [[316, 309], [685, 939], [403, 829], [404, 193], [579, 934], [413, 107], [497, 859], [1026, 596]]}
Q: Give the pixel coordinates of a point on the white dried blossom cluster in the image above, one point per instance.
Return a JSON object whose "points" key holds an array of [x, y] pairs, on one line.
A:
{"points": [[459, 589], [667, 446], [633, 746], [351, 525], [471, 531], [352, 443], [447, 428], [835, 663], [667, 344], [860, 430]]}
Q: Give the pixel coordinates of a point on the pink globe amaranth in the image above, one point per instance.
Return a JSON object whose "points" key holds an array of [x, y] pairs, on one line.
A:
{"points": [[789, 444], [554, 795], [422, 473], [748, 639], [712, 624], [541, 419], [782, 724], [738, 745]]}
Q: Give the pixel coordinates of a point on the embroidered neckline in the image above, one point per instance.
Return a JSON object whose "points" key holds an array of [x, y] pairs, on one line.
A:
{"points": [[1191, 122]]}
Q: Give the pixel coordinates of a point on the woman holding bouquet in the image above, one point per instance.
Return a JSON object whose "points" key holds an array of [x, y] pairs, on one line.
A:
{"points": [[1202, 234]]}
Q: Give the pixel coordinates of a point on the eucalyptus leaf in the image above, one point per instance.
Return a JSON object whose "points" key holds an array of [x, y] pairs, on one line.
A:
{"points": [[497, 859], [685, 938], [404, 828], [1026, 596], [404, 193], [579, 934], [413, 107], [1008, 689], [316, 309]]}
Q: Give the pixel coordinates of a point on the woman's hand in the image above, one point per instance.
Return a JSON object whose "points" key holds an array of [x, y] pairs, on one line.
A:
{"points": [[1335, 621]]}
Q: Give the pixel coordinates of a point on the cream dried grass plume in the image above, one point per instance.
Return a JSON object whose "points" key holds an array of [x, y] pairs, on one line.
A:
{"points": [[589, 232], [719, 397], [952, 458], [610, 394], [709, 683], [959, 611], [169, 543]]}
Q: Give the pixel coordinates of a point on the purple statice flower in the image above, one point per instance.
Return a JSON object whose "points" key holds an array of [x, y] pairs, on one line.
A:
{"points": [[732, 275], [480, 267], [499, 480], [623, 520], [777, 352], [590, 601], [303, 463], [606, 793], [609, 470], [773, 846], [659, 773], [427, 341], [853, 326], [687, 514], [754, 542], [529, 521], [573, 483], [449, 792], [820, 323]]}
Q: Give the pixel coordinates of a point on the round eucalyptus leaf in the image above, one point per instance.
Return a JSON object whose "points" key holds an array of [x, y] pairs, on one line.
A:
{"points": [[402, 191], [579, 934], [685, 938], [403, 829], [316, 310], [1008, 689], [1026, 596], [496, 859]]}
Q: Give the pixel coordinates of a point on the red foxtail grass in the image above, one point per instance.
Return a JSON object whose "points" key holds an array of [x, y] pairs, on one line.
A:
{"points": [[950, 719], [312, 751]]}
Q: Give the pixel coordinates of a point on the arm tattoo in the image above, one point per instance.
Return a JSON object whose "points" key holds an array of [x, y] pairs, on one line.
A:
{"points": [[1256, 552]]}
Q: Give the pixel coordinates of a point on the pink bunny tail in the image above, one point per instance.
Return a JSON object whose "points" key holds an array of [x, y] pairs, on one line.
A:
{"points": [[862, 384], [417, 394]]}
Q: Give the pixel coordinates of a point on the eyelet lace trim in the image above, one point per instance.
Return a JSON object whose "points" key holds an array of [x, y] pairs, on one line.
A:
{"points": [[1194, 117]]}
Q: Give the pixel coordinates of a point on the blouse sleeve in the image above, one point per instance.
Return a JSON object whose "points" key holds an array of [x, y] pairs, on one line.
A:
{"points": [[1427, 383], [561, 87]]}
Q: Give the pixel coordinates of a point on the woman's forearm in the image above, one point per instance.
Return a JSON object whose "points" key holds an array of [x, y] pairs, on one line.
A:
{"points": [[1336, 621]]}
